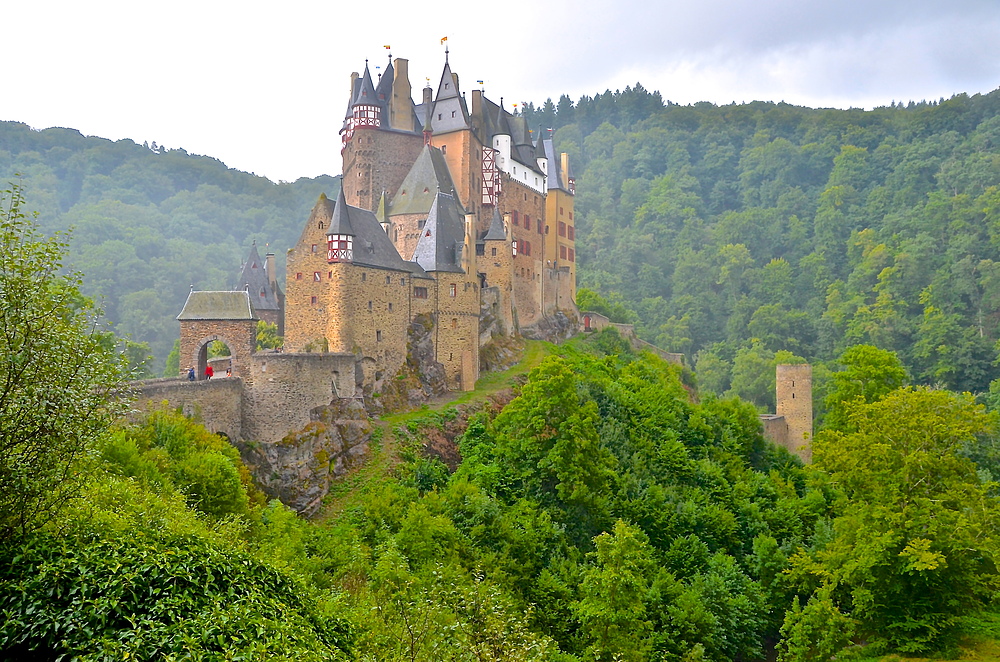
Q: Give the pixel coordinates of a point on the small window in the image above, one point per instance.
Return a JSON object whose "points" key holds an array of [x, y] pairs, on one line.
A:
{"points": [[562, 252], [369, 305], [494, 249], [390, 307], [312, 300], [321, 225], [527, 222], [330, 275], [419, 292], [364, 276], [572, 233], [439, 115], [515, 218], [388, 280], [538, 225], [378, 336], [298, 276], [317, 276], [314, 248], [444, 148], [453, 113], [454, 322], [571, 257], [454, 290], [562, 229], [402, 281], [571, 216], [560, 211]]}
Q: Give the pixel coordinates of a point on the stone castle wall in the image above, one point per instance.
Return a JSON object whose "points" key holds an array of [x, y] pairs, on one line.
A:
{"points": [[456, 337], [283, 388], [377, 161], [527, 280], [215, 403], [305, 318]]}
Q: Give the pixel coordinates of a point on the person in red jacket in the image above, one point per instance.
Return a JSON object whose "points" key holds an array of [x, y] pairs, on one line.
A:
{"points": [[209, 373]]}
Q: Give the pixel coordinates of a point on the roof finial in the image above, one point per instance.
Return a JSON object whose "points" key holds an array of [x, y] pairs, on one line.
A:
{"points": [[444, 40]]}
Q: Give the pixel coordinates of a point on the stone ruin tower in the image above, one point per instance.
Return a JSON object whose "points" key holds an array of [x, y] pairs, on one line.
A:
{"points": [[794, 404]]}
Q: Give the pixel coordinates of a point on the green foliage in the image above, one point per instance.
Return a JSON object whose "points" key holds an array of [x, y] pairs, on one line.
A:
{"points": [[169, 451], [869, 374], [148, 595], [150, 222], [56, 372], [913, 550], [267, 336]]}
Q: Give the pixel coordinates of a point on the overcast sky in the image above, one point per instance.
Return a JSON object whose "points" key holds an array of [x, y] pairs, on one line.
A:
{"points": [[263, 86]]}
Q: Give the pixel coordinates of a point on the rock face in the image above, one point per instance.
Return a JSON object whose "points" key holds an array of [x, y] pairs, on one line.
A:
{"points": [[299, 468], [554, 328]]}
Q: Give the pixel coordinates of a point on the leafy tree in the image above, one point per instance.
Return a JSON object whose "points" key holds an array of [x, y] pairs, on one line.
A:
{"points": [[267, 336], [612, 608], [915, 546], [56, 373], [869, 375]]}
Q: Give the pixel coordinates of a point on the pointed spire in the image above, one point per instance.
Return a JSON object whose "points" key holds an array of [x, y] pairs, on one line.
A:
{"points": [[366, 91], [340, 223], [497, 231], [382, 213]]}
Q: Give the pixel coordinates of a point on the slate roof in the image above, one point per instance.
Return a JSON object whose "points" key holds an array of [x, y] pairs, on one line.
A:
{"points": [[428, 176], [440, 245], [449, 112], [217, 306], [372, 246], [557, 178], [497, 232], [254, 276]]}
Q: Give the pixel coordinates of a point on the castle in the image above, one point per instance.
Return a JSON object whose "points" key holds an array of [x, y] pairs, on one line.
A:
{"points": [[451, 214]]}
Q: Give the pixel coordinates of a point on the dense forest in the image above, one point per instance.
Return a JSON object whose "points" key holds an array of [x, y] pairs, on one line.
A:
{"points": [[148, 222], [734, 232], [738, 235], [600, 510]]}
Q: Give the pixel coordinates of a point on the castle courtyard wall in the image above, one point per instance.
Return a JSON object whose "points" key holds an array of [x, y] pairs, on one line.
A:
{"points": [[216, 403], [283, 388]]}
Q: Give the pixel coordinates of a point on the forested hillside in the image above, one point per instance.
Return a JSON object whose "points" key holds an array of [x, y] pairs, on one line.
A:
{"points": [[728, 233], [731, 233], [597, 509], [148, 222]]}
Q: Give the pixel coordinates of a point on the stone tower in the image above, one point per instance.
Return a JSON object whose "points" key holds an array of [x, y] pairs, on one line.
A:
{"points": [[794, 403]]}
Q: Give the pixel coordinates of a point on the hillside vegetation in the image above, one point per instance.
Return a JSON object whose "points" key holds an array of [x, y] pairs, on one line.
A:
{"points": [[601, 510], [148, 222], [730, 233]]}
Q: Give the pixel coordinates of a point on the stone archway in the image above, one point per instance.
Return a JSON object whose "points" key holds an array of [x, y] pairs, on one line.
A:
{"points": [[200, 361], [240, 336]]}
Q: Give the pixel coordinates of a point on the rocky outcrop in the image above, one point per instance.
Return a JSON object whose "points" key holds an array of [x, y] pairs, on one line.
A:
{"points": [[500, 353], [299, 468], [554, 328]]}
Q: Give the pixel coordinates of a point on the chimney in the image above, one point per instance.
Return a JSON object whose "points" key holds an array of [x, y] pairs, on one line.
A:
{"points": [[271, 275]]}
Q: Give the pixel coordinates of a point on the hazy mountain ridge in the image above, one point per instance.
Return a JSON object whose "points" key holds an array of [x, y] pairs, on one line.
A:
{"points": [[148, 222]]}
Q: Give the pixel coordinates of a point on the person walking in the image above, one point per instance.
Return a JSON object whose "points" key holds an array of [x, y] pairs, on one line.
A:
{"points": [[191, 374], [209, 372]]}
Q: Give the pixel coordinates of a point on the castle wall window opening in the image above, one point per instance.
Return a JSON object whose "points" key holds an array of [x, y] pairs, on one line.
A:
{"points": [[562, 229], [454, 290], [419, 292]]}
